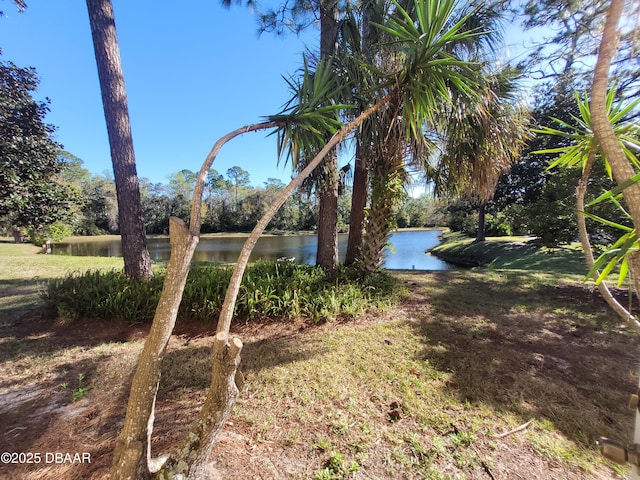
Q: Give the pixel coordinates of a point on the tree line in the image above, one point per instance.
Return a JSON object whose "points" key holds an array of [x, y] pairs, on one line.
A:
{"points": [[230, 204]]}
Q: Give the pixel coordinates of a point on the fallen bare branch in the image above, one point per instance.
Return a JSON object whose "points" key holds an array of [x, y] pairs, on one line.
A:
{"points": [[515, 430]]}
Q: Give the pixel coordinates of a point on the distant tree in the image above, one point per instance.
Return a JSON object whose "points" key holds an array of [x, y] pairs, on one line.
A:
{"points": [[285, 218], [137, 262], [72, 170], [33, 194], [424, 211], [240, 178], [179, 191], [156, 207], [100, 207]]}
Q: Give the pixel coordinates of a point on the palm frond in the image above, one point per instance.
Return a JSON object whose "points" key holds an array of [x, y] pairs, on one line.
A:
{"points": [[310, 116], [581, 137]]}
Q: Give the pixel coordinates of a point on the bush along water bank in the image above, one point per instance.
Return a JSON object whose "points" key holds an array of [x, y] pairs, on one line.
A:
{"points": [[270, 290]]}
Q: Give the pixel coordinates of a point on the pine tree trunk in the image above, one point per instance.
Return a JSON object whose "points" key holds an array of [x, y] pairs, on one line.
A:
{"points": [[327, 255], [137, 262]]}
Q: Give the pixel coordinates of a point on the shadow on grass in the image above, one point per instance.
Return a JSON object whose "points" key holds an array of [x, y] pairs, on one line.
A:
{"points": [[498, 253], [549, 353], [189, 367]]}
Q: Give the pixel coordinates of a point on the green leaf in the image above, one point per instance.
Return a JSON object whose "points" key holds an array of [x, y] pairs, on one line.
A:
{"points": [[615, 191], [604, 221]]}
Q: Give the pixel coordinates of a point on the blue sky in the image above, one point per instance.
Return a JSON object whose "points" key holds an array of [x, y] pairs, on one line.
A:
{"points": [[193, 71], [192, 74]]}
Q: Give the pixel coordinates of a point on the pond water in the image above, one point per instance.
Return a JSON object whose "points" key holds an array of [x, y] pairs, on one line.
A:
{"points": [[407, 249]]}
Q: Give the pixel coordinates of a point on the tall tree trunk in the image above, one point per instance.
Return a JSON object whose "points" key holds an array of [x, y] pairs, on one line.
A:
{"points": [[190, 462], [621, 168], [132, 456], [137, 262], [387, 187], [480, 234], [327, 253], [360, 191], [358, 205]]}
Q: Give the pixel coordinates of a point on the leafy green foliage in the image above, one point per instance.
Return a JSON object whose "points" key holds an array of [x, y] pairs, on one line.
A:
{"points": [[551, 217], [582, 141], [430, 68], [105, 295], [582, 149], [54, 232], [31, 191], [269, 290], [307, 119], [627, 243], [81, 390]]}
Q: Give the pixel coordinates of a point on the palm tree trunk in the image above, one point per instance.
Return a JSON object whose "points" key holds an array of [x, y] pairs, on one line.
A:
{"points": [[137, 262], [327, 253], [132, 455], [386, 188], [621, 168]]}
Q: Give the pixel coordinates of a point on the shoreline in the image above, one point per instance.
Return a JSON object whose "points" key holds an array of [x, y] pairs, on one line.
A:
{"points": [[89, 238]]}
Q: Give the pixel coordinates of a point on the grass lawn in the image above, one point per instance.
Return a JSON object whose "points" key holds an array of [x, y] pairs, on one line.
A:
{"points": [[435, 387], [511, 253]]}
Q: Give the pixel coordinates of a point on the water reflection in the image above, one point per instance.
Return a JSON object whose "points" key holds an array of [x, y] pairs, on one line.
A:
{"points": [[407, 249]]}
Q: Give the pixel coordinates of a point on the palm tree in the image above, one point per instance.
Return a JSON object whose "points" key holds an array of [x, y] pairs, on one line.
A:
{"points": [[411, 92], [386, 151], [621, 168], [483, 137]]}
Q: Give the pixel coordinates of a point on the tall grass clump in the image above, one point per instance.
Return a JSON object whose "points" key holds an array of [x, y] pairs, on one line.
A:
{"points": [[270, 290]]}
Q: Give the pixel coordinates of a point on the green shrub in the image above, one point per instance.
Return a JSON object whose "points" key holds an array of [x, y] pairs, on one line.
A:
{"points": [[105, 295], [269, 290]]}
